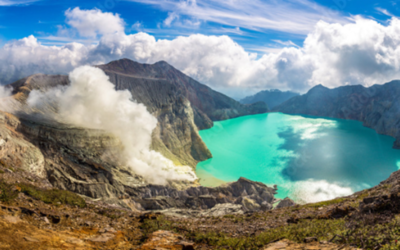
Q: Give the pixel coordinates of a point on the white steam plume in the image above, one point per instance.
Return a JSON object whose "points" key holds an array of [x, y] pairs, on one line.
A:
{"points": [[91, 101], [311, 191], [7, 103], [5, 92]]}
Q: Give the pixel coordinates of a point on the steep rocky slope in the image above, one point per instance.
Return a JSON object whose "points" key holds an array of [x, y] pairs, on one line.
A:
{"points": [[14, 149], [82, 161], [272, 97], [208, 105], [378, 106], [176, 135]]}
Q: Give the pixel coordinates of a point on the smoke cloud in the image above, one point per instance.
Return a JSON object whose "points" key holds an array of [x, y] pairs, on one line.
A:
{"points": [[90, 101]]}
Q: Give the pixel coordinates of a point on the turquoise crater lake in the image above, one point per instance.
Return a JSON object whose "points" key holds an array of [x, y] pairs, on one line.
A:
{"points": [[309, 158]]}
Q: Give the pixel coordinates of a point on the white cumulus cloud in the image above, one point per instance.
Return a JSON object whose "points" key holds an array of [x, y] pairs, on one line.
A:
{"points": [[364, 52], [91, 23]]}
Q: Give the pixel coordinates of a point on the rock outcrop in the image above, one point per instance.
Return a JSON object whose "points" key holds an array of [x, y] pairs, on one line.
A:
{"points": [[252, 196], [287, 202], [378, 106], [166, 240]]}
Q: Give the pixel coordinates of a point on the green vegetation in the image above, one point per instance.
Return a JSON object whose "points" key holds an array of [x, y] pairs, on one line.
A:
{"points": [[363, 195], [367, 231], [326, 203], [8, 192], [53, 196], [110, 213], [161, 223], [323, 230]]}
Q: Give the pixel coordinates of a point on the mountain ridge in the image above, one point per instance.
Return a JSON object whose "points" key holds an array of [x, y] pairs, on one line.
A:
{"points": [[272, 97], [208, 105], [378, 106]]}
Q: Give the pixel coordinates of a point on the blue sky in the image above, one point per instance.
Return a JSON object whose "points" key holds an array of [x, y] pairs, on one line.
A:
{"points": [[167, 19], [234, 46]]}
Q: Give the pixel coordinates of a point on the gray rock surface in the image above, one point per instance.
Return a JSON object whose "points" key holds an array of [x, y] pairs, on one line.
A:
{"points": [[14, 149], [378, 106], [80, 160], [223, 209], [250, 195], [217, 211], [287, 202]]}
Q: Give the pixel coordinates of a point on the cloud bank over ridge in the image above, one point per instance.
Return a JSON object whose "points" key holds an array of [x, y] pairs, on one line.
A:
{"points": [[364, 52]]}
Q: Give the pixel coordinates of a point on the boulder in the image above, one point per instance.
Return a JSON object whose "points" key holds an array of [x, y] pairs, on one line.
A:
{"points": [[287, 202]]}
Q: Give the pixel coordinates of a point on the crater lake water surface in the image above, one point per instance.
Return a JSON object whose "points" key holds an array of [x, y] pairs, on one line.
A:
{"points": [[310, 159]]}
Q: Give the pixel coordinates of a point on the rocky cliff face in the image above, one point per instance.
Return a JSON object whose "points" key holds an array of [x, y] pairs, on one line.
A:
{"points": [[84, 160], [378, 107], [15, 150], [176, 135], [208, 105]]}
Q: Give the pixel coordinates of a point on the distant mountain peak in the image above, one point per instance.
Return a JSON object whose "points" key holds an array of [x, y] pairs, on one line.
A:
{"points": [[130, 67], [271, 97], [208, 105], [319, 86], [163, 63]]}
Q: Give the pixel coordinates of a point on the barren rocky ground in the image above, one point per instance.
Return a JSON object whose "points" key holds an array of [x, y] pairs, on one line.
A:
{"points": [[35, 216]]}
